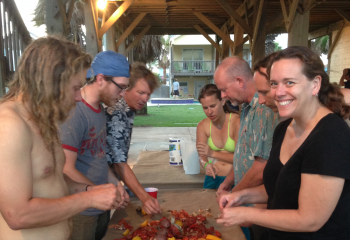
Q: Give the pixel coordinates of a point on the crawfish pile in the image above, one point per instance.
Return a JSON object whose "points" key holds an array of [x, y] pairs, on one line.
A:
{"points": [[180, 225]]}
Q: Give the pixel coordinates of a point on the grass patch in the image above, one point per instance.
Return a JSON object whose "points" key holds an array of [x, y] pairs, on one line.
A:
{"points": [[171, 116]]}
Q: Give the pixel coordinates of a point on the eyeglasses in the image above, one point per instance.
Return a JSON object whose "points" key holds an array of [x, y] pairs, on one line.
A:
{"points": [[109, 78], [122, 88]]}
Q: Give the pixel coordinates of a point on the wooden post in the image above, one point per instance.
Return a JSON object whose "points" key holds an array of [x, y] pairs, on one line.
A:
{"points": [[122, 48], [91, 35], [238, 40], [9, 23], [54, 20], [110, 39], [225, 45], [16, 44], [130, 53], [299, 32], [217, 55], [259, 38], [330, 56]]}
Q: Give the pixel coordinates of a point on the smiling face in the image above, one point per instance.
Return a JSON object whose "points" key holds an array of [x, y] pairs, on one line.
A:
{"points": [[293, 93], [262, 86], [212, 107], [138, 96], [111, 93]]}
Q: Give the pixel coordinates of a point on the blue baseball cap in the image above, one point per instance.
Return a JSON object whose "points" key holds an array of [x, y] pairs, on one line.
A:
{"points": [[109, 63]]}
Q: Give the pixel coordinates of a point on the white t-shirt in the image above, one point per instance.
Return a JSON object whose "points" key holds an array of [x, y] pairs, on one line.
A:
{"points": [[176, 85]]}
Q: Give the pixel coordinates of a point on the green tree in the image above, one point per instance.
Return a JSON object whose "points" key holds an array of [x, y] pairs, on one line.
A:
{"points": [[321, 45], [277, 47], [76, 33], [164, 61]]}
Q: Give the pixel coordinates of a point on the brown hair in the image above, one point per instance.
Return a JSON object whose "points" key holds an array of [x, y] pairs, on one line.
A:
{"points": [[138, 71], [210, 90], [329, 95], [264, 63], [42, 77]]}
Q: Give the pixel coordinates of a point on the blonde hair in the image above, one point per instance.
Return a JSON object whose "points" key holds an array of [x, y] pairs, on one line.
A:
{"points": [[138, 71], [42, 77]]}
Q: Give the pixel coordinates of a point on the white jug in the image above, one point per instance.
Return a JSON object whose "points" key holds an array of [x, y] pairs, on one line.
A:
{"points": [[190, 158]]}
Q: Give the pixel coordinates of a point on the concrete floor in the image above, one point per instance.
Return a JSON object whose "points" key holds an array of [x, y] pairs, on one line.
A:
{"points": [[156, 139]]}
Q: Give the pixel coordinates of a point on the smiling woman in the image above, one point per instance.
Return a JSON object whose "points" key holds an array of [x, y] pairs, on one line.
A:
{"points": [[307, 177]]}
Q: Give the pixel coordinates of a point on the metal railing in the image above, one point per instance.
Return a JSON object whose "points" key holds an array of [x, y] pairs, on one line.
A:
{"points": [[14, 38], [192, 67]]}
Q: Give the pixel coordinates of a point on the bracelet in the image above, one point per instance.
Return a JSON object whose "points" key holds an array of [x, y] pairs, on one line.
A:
{"points": [[207, 163], [87, 187]]}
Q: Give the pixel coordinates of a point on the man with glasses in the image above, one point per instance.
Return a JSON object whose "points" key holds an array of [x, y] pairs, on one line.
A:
{"points": [[83, 138], [120, 119]]}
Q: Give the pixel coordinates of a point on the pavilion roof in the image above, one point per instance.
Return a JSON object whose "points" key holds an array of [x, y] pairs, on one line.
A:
{"points": [[177, 16]]}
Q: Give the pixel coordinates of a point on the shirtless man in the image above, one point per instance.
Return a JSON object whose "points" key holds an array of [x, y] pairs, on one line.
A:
{"points": [[35, 198]]}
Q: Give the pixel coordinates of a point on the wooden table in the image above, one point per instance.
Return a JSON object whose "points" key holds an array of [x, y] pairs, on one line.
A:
{"points": [[153, 170], [191, 200]]}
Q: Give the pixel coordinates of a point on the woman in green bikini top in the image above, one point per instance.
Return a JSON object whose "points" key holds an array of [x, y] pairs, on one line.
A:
{"points": [[216, 136]]}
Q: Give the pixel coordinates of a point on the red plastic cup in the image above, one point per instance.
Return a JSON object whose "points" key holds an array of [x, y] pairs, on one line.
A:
{"points": [[152, 191]]}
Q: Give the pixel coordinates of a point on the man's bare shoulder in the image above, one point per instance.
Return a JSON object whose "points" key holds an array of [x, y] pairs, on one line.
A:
{"points": [[13, 122]]}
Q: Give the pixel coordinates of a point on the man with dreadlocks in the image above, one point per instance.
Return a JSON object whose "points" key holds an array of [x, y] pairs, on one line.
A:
{"points": [[35, 198]]}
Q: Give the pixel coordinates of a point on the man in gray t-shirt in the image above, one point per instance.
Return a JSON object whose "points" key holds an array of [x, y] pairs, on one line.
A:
{"points": [[83, 138]]}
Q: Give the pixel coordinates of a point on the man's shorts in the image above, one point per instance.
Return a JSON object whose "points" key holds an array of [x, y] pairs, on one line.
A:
{"points": [[176, 92]]}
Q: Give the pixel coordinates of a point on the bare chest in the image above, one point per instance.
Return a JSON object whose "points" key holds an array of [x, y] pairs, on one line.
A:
{"points": [[46, 164]]}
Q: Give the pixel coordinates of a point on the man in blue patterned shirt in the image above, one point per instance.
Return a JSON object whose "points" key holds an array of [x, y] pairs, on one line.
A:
{"points": [[120, 119]]}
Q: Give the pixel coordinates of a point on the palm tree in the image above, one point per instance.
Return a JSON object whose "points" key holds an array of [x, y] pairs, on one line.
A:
{"points": [[148, 49], [76, 34], [270, 45], [321, 45], [164, 61]]}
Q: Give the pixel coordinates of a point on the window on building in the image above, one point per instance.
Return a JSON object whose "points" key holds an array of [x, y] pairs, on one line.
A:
{"points": [[192, 58]]}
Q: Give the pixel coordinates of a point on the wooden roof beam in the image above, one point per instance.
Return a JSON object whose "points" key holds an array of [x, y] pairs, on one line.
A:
{"points": [[289, 17], [236, 17], [277, 21], [326, 30], [114, 17], [242, 9], [129, 29], [199, 29], [225, 37], [118, 5], [331, 48], [343, 14], [257, 23], [138, 38], [308, 5]]}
